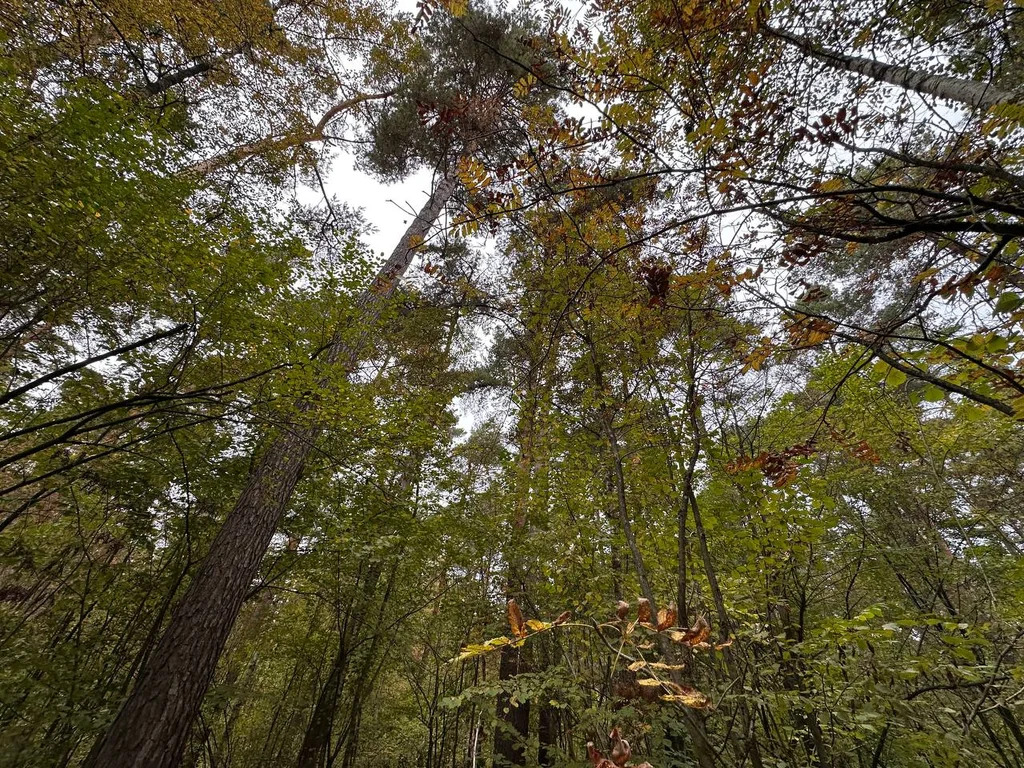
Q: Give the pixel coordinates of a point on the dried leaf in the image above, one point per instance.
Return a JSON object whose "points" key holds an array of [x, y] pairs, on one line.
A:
{"points": [[515, 619], [689, 697], [696, 635], [667, 667], [637, 665], [726, 644], [598, 760], [622, 609], [643, 610], [650, 689], [702, 628], [563, 617], [620, 748], [672, 687], [536, 625], [666, 618]]}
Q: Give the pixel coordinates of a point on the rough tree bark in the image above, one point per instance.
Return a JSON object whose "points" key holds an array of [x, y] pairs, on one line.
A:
{"points": [[151, 729], [514, 725]]}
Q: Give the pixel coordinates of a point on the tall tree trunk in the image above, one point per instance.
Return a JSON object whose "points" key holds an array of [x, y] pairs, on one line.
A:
{"points": [[703, 752], [316, 742], [151, 729], [746, 741], [969, 92], [287, 141], [514, 720], [547, 735], [513, 725]]}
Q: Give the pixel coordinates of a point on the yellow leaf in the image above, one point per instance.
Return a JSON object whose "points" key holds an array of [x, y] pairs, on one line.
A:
{"points": [[667, 667], [920, 277], [690, 697], [523, 85], [456, 8]]}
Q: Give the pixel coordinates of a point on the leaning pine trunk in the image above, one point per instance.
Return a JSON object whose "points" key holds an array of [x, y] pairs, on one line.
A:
{"points": [[152, 727], [969, 92]]}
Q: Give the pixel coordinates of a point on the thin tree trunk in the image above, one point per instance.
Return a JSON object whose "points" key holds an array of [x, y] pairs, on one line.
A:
{"points": [[198, 68], [746, 741], [692, 722], [288, 141], [514, 725], [969, 92], [151, 729], [316, 742], [547, 735]]}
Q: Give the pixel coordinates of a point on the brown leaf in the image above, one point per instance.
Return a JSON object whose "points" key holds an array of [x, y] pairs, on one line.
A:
{"points": [[620, 748], [651, 689], [563, 617], [643, 610], [666, 618], [648, 689], [515, 619], [702, 628], [696, 635], [726, 644], [622, 609], [671, 686], [598, 760]]}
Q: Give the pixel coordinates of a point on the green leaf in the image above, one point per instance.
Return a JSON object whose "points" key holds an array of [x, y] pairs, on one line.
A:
{"points": [[1008, 302], [896, 378]]}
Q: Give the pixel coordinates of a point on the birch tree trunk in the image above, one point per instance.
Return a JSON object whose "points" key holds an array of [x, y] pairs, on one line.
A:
{"points": [[153, 725], [969, 92]]}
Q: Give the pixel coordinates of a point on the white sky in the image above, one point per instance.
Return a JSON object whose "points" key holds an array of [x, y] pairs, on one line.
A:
{"points": [[387, 207]]}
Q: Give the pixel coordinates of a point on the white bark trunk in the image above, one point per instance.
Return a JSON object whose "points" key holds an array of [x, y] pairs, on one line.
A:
{"points": [[969, 92]]}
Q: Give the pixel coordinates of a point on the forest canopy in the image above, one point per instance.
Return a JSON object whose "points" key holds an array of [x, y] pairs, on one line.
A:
{"points": [[683, 426]]}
